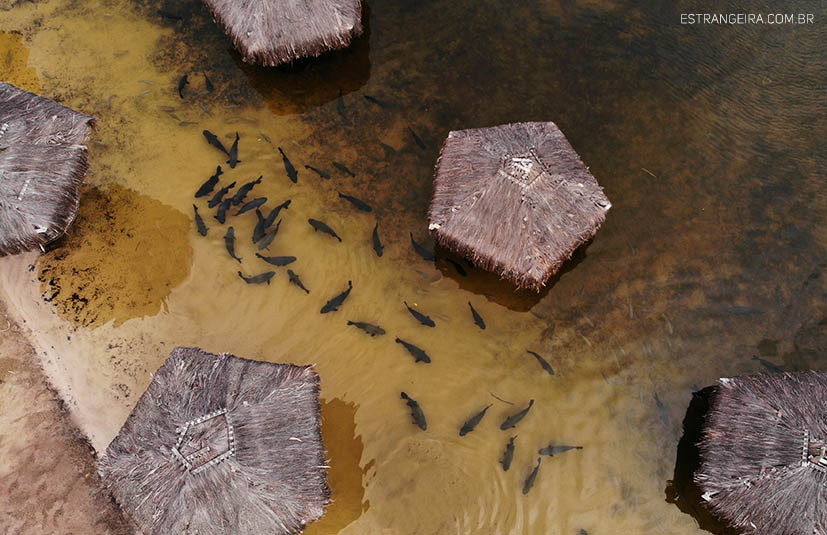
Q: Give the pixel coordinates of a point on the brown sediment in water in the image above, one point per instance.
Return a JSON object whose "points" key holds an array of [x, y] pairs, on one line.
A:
{"points": [[122, 258], [345, 476], [15, 62]]}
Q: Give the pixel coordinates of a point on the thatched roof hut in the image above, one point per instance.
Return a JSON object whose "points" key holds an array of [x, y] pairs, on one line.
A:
{"points": [[764, 453], [42, 164], [515, 199], [219, 444], [271, 32]]}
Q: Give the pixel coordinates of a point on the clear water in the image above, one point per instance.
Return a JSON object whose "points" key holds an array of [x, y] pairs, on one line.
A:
{"points": [[709, 141]]}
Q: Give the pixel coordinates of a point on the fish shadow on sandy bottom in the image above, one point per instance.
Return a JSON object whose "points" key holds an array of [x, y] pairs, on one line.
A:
{"points": [[682, 491]]}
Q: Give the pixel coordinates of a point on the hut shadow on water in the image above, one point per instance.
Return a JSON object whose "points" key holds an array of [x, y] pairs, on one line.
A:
{"points": [[682, 489], [501, 291], [304, 84]]}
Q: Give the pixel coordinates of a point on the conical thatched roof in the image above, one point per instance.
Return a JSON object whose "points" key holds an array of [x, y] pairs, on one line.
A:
{"points": [[219, 444], [764, 453], [271, 32], [42, 164], [515, 199]]}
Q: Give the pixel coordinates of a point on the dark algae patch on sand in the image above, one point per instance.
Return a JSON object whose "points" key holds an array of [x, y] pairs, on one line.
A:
{"points": [[120, 260]]}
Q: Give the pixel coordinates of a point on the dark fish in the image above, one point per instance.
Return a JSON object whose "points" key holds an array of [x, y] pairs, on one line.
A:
{"points": [[321, 172], [358, 203], [258, 279], [168, 15], [377, 243], [219, 196], [512, 420], [388, 148], [662, 412], [221, 214], [251, 205], [417, 139], [458, 267], [334, 304], [229, 241], [529, 481], [318, 225], [340, 104], [208, 83], [296, 280], [373, 100], [292, 174], [181, 83], [421, 318], [242, 192], [277, 260], [371, 329], [551, 450], [772, 368], [416, 411], [213, 140], [274, 213], [233, 154], [342, 168], [207, 187], [202, 228], [421, 251], [508, 455], [269, 237], [543, 362], [469, 426], [478, 319], [258, 231], [418, 354]]}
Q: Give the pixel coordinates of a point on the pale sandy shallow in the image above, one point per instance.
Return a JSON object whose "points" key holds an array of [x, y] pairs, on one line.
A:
{"points": [[48, 480]]}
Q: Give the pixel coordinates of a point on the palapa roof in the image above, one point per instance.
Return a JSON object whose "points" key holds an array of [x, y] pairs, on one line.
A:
{"points": [[42, 164], [271, 32], [218, 444], [515, 199], [764, 453]]}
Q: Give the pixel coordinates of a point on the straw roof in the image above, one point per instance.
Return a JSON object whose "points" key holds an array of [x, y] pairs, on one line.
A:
{"points": [[764, 453], [42, 164], [515, 199], [271, 32], [220, 444]]}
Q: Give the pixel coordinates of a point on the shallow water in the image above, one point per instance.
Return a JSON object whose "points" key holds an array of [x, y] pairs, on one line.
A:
{"points": [[709, 141]]}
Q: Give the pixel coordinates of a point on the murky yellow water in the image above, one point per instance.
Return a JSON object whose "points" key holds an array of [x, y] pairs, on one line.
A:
{"points": [[710, 142]]}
